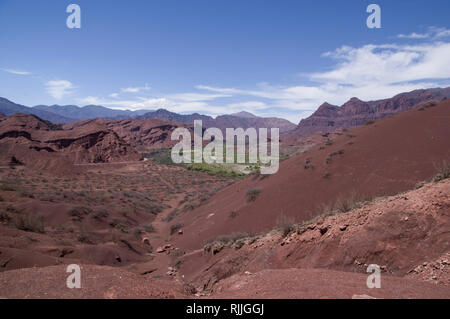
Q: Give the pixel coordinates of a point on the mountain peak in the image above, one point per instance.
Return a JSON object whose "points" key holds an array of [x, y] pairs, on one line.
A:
{"points": [[244, 114]]}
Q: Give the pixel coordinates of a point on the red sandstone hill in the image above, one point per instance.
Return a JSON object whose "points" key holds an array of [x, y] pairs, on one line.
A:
{"points": [[33, 141], [386, 157], [355, 112], [141, 134]]}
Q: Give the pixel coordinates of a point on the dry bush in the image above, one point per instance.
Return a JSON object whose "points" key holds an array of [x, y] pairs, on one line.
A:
{"points": [[252, 194], [175, 227], [234, 214], [285, 224], [79, 212], [235, 239], [443, 171], [30, 223], [4, 217]]}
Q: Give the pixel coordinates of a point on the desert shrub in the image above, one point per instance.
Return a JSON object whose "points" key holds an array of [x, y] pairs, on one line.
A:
{"points": [[1, 199], [30, 223], [149, 228], [427, 105], [327, 176], [285, 224], [340, 152], [25, 194], [7, 187], [329, 142], [252, 194], [234, 214], [172, 215], [79, 212], [155, 208], [100, 214], [188, 207], [4, 216], [216, 245], [370, 122], [419, 185], [84, 237], [443, 171], [175, 227], [353, 201]]}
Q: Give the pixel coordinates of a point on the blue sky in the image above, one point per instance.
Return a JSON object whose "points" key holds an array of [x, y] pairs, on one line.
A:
{"points": [[273, 58]]}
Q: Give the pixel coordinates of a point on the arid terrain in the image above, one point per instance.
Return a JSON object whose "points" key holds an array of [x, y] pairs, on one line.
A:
{"points": [[373, 188]]}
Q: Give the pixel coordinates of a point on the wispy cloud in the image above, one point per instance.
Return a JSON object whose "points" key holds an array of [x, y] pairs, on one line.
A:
{"points": [[16, 72], [432, 33], [368, 72], [60, 88], [136, 89], [195, 97]]}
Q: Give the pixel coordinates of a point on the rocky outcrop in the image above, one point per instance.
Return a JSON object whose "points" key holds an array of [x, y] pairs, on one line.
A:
{"points": [[25, 136], [140, 134], [355, 112]]}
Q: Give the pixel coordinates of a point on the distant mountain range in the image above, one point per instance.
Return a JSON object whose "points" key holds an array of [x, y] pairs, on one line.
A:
{"points": [[89, 112], [327, 118], [72, 113], [241, 119]]}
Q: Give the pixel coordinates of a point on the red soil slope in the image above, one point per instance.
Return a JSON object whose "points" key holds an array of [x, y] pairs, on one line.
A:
{"points": [[96, 282], [387, 157], [399, 233], [322, 284]]}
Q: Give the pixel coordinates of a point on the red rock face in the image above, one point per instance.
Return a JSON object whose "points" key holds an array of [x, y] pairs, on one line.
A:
{"points": [[143, 133], [355, 112], [33, 141]]}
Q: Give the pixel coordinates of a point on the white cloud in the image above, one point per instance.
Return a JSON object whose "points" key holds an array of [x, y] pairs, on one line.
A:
{"points": [[253, 105], [60, 88], [192, 97], [414, 35], [432, 33], [369, 72], [136, 89], [16, 72], [114, 95]]}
